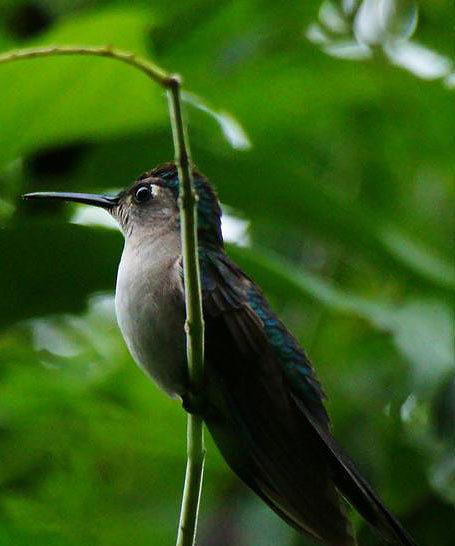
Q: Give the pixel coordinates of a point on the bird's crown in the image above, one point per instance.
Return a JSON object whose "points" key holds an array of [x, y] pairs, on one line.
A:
{"points": [[208, 206]]}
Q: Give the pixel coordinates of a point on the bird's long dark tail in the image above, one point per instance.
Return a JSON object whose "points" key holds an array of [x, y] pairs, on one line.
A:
{"points": [[359, 493]]}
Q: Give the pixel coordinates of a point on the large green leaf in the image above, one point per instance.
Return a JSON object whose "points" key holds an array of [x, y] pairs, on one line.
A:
{"points": [[45, 268], [46, 101]]}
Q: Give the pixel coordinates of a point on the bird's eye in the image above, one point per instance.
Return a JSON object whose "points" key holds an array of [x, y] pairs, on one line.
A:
{"points": [[143, 194]]}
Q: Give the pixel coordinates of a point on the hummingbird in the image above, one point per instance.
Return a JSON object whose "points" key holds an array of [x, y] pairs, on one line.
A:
{"points": [[261, 402]]}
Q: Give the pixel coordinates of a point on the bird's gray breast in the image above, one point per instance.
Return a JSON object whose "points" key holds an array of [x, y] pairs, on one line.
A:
{"points": [[150, 311]]}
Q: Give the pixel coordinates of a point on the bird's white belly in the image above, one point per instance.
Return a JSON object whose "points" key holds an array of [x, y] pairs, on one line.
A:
{"points": [[151, 318]]}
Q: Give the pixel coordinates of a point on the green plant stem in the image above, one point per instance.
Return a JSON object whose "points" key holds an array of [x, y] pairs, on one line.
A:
{"points": [[194, 325], [153, 71]]}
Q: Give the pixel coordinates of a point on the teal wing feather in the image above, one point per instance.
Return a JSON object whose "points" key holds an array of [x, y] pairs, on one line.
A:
{"points": [[227, 288]]}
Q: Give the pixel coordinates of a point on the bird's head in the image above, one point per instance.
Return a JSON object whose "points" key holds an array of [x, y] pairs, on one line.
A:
{"points": [[151, 203]]}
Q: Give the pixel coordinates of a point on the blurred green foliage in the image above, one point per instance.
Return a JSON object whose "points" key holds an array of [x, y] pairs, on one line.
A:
{"points": [[347, 194]]}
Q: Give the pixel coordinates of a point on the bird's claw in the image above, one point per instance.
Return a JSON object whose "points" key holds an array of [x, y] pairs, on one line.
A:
{"points": [[195, 404]]}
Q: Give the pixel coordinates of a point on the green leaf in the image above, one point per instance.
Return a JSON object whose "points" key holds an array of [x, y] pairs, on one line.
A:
{"points": [[231, 128], [45, 268], [57, 100], [420, 258]]}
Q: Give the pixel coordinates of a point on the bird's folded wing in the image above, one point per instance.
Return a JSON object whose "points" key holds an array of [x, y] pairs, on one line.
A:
{"points": [[249, 354], [277, 407]]}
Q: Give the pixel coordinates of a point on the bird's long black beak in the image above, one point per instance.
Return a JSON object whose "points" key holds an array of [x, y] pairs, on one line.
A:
{"points": [[103, 201]]}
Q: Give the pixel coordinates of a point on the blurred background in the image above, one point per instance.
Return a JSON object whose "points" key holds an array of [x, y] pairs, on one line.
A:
{"points": [[328, 129]]}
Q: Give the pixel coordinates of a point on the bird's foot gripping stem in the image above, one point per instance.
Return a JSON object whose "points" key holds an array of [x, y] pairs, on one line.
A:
{"points": [[194, 403]]}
